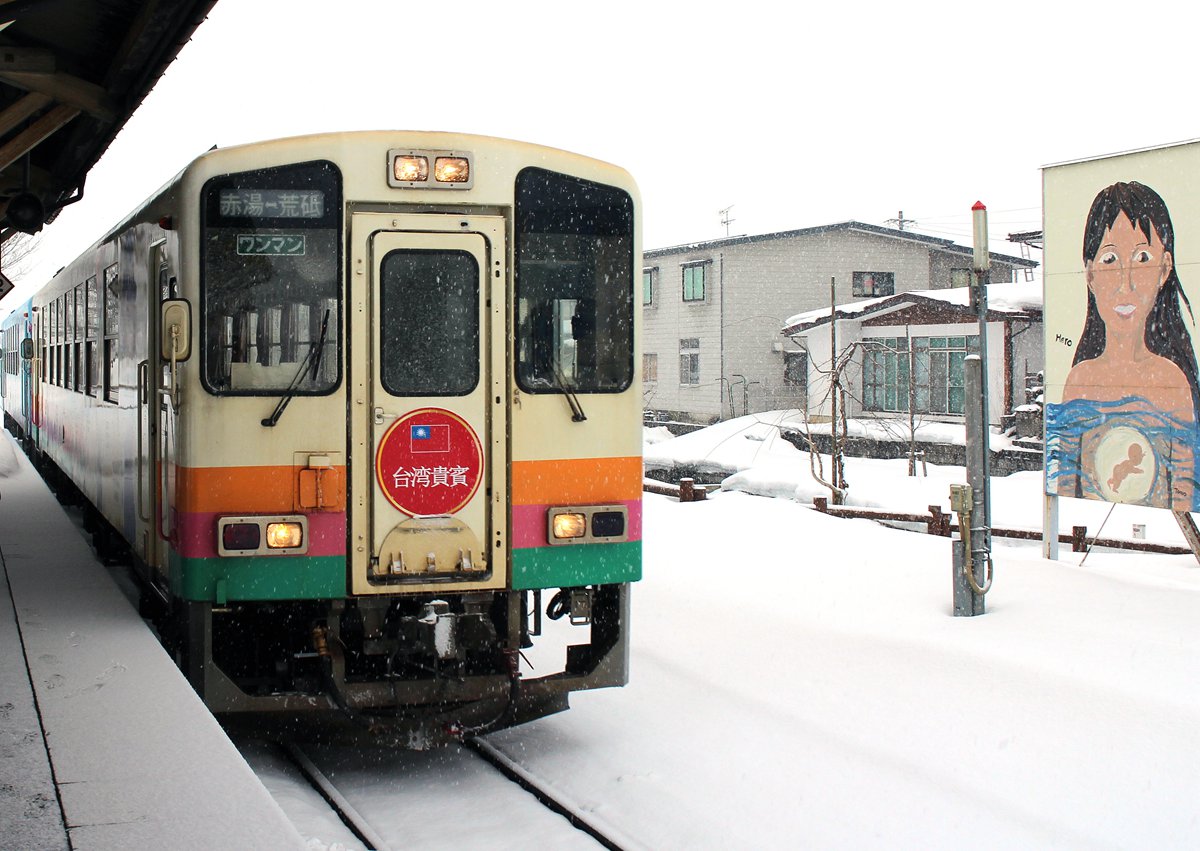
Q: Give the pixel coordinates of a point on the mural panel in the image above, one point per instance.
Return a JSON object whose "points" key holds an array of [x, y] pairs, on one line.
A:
{"points": [[1122, 394]]}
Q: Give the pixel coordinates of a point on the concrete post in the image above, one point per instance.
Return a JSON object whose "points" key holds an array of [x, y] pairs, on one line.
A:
{"points": [[967, 601]]}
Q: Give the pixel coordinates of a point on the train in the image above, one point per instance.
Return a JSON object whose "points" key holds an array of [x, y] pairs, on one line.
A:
{"points": [[364, 411]]}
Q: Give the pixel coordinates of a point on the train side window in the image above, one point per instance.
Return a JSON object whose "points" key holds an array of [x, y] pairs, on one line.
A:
{"points": [[60, 339], [112, 327], [91, 346], [79, 365], [69, 340], [48, 357], [166, 282]]}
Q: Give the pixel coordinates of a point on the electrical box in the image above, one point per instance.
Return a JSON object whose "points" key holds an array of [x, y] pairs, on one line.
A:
{"points": [[961, 500]]}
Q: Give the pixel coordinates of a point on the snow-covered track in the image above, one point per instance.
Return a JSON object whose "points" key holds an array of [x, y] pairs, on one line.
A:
{"points": [[523, 778], [344, 809], [390, 798]]}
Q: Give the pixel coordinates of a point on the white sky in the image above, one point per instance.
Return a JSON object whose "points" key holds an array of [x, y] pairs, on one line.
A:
{"points": [[847, 111]]}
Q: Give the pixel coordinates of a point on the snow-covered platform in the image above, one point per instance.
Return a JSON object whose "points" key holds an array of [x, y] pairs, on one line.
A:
{"points": [[103, 744]]}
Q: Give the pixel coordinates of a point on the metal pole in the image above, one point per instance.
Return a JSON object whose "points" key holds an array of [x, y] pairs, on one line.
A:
{"points": [[972, 553], [974, 544], [833, 390], [1050, 527], [983, 264]]}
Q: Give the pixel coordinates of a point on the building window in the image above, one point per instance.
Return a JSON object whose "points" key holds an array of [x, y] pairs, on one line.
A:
{"points": [[795, 376], [695, 277], [689, 361], [795, 369], [648, 286], [649, 367], [937, 382], [872, 284], [960, 277]]}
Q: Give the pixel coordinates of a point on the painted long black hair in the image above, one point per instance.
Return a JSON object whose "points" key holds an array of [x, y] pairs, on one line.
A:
{"points": [[1166, 333]]}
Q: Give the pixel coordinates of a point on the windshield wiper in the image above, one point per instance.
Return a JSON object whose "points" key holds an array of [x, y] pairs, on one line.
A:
{"points": [[313, 358], [560, 384]]}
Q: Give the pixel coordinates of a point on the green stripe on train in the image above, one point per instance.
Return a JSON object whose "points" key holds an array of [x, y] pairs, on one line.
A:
{"points": [[219, 580], [575, 565]]}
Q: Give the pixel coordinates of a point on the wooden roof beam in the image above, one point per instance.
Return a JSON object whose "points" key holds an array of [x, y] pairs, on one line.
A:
{"points": [[36, 133], [26, 107], [64, 88]]}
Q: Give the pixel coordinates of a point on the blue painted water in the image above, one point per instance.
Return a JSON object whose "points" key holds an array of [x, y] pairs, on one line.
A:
{"points": [[1080, 423]]}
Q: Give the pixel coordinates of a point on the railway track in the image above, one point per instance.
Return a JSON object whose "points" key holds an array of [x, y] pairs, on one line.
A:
{"points": [[514, 772], [370, 799]]}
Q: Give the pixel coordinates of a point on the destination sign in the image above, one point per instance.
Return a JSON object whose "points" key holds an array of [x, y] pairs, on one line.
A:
{"points": [[278, 245], [273, 203]]}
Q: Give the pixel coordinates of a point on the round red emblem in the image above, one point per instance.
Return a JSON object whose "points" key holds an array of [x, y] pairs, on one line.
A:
{"points": [[429, 462]]}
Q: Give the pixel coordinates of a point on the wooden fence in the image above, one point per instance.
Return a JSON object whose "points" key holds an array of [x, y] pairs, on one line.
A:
{"points": [[937, 521]]}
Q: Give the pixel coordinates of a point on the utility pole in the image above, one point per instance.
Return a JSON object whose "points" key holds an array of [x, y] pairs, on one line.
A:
{"points": [[972, 557], [912, 401], [835, 387], [900, 221]]}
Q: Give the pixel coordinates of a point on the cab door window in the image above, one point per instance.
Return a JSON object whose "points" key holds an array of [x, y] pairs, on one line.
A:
{"points": [[429, 323]]}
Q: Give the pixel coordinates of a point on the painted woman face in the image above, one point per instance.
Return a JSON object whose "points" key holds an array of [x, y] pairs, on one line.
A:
{"points": [[1127, 273]]}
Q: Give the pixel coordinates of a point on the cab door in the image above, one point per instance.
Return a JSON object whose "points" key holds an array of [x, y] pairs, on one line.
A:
{"points": [[427, 422]]}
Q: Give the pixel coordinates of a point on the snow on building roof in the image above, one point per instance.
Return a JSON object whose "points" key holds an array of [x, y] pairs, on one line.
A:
{"points": [[1020, 298], [934, 243]]}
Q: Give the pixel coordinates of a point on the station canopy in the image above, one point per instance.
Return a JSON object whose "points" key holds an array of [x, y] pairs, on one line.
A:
{"points": [[72, 72]]}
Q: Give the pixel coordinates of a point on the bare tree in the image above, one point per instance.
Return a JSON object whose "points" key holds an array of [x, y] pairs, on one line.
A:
{"points": [[16, 249], [892, 425], [835, 394]]}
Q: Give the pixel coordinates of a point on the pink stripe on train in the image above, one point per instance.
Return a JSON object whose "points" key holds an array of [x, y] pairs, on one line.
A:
{"points": [[529, 524], [196, 533]]}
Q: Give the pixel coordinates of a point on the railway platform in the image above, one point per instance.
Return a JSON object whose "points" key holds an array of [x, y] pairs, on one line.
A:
{"points": [[103, 744]]}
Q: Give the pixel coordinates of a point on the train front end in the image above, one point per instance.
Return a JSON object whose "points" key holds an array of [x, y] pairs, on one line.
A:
{"points": [[408, 459]]}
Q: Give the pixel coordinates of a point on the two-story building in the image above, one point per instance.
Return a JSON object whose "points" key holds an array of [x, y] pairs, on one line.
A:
{"points": [[714, 311]]}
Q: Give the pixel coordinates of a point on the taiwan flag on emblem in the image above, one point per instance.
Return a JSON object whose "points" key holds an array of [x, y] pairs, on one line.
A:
{"points": [[430, 438]]}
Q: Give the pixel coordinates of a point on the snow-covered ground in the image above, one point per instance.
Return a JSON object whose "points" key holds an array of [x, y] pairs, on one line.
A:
{"points": [[768, 465], [798, 680]]}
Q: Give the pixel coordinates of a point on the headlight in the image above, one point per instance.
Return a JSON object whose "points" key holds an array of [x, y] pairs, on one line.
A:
{"points": [[588, 524], [451, 170], [409, 168], [241, 536], [251, 536], [569, 525], [284, 536]]}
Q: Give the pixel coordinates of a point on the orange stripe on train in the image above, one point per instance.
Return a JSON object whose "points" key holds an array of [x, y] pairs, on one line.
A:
{"points": [[576, 481], [283, 488], [261, 490]]}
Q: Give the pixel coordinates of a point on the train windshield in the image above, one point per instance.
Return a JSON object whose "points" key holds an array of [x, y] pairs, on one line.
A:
{"points": [[270, 282], [574, 274]]}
